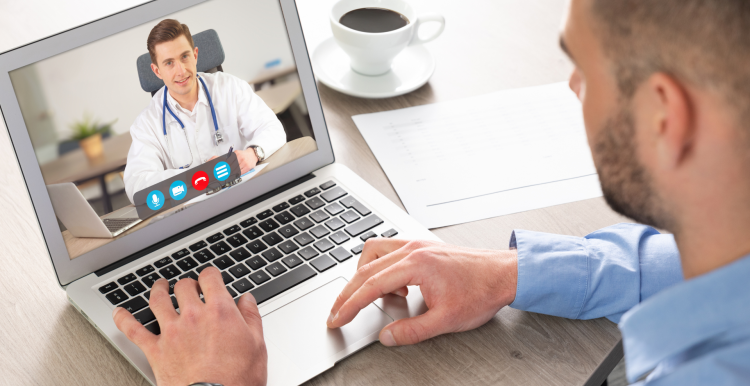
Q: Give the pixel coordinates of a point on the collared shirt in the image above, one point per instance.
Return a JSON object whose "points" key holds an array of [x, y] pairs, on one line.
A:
{"points": [[675, 332], [243, 120]]}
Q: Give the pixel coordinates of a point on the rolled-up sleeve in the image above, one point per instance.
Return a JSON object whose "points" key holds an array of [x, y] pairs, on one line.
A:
{"points": [[603, 274]]}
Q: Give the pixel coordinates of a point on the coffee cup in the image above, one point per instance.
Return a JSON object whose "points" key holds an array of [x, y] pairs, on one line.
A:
{"points": [[372, 35]]}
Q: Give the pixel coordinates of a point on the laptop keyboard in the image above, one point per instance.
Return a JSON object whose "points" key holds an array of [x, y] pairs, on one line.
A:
{"points": [[115, 224], [267, 254]]}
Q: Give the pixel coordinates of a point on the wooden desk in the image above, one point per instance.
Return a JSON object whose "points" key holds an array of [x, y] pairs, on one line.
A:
{"points": [[488, 45]]}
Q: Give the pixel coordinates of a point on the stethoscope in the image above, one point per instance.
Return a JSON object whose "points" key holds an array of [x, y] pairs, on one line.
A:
{"points": [[217, 135]]}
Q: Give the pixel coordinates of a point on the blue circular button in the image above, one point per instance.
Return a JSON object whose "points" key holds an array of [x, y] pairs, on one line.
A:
{"points": [[155, 200], [221, 171], [178, 190]]}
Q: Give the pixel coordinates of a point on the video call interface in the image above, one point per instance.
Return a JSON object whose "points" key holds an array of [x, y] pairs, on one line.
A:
{"points": [[120, 139]]}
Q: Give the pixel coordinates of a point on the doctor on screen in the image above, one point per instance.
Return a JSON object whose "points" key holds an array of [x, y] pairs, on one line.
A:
{"points": [[195, 116]]}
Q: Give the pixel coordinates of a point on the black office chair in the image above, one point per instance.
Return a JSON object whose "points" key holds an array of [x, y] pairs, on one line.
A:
{"points": [[210, 58]]}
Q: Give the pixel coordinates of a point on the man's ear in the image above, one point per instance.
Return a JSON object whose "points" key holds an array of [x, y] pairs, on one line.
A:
{"points": [[195, 50], [155, 69], [671, 119]]}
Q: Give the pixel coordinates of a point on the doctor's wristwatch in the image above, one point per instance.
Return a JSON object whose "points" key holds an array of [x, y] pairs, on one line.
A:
{"points": [[259, 153]]}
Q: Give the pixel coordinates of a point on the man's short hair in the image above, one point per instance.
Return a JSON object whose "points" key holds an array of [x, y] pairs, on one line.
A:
{"points": [[166, 31]]}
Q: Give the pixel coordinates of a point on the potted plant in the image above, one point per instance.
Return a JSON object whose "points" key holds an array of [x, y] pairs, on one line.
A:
{"points": [[88, 133]]}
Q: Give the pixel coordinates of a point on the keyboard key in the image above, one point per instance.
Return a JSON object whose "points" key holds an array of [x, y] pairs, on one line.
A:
{"points": [[162, 262], [334, 209], [288, 231], [351, 202], [300, 210], [272, 238], [284, 218], [203, 256], [180, 254], [272, 254], [202, 267], [281, 207], [269, 225], [259, 277], [147, 295], [265, 214], [239, 270], [169, 272], [358, 249], [187, 264], [275, 269], [283, 283], [197, 246], [248, 222], [292, 261], [335, 224], [334, 194], [188, 275], [340, 254], [339, 238], [324, 245], [116, 297], [320, 216], [308, 253], [223, 262], [231, 292], [227, 277], [323, 263], [150, 279], [242, 285], [304, 239], [312, 192], [303, 223], [214, 238], [236, 240], [145, 270], [288, 247], [134, 304], [256, 262], [221, 248], [145, 316], [126, 279], [232, 230], [389, 233], [350, 216], [252, 233], [327, 185], [296, 200], [363, 226], [367, 236], [315, 203], [319, 231], [154, 328], [240, 254], [107, 287], [256, 246], [171, 286]]}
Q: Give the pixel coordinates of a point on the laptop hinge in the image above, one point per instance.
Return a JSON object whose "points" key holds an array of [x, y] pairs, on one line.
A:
{"points": [[203, 225]]}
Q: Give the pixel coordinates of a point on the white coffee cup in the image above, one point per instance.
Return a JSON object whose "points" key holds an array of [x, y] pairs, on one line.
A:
{"points": [[373, 53]]}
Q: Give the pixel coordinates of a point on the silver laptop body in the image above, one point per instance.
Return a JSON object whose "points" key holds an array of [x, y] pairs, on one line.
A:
{"points": [[299, 344]]}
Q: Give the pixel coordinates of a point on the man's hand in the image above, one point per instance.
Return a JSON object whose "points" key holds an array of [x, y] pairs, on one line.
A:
{"points": [[462, 287], [217, 342], [247, 159]]}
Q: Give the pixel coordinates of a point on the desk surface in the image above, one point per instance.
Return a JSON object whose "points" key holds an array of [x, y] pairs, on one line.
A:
{"points": [[487, 46]]}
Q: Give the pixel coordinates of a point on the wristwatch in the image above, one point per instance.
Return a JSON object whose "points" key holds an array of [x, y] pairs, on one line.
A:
{"points": [[205, 384], [258, 152]]}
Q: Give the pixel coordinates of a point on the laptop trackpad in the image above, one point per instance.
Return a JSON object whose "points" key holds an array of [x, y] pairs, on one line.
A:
{"points": [[299, 329]]}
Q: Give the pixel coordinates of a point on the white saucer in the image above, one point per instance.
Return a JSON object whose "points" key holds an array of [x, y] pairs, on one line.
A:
{"points": [[411, 69]]}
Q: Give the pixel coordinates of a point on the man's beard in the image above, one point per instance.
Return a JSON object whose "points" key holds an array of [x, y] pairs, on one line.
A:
{"points": [[626, 184]]}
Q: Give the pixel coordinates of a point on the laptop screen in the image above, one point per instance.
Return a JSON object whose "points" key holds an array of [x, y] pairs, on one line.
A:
{"points": [[164, 118]]}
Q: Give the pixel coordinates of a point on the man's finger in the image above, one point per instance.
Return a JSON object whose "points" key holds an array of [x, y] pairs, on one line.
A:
{"points": [[376, 248], [212, 285], [160, 302], [413, 330], [187, 293], [249, 310], [133, 329]]}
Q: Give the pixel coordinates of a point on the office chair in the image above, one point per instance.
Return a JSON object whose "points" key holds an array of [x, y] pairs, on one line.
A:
{"points": [[210, 58]]}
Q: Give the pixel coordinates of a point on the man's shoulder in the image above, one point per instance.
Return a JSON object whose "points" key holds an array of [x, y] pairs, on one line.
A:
{"points": [[152, 110], [223, 79]]}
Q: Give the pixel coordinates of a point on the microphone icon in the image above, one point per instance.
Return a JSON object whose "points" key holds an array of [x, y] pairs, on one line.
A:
{"points": [[155, 199]]}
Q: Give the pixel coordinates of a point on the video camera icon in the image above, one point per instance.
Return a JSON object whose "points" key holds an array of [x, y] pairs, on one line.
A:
{"points": [[178, 190]]}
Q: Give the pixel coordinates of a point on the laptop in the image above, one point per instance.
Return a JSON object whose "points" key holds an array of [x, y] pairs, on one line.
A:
{"points": [[291, 235], [80, 218]]}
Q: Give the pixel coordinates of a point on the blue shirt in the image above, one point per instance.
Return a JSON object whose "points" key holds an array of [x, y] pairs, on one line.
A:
{"points": [[675, 332]]}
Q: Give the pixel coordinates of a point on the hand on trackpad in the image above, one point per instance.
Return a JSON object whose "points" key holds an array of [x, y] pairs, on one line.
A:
{"points": [[299, 328]]}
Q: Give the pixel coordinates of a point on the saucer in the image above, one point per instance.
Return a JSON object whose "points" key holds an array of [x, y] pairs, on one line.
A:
{"points": [[411, 69]]}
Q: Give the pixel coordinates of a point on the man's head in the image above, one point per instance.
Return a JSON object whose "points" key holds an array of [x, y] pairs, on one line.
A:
{"points": [[665, 87], [174, 57]]}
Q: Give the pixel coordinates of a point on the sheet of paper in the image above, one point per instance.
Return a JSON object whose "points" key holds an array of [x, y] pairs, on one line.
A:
{"points": [[485, 156]]}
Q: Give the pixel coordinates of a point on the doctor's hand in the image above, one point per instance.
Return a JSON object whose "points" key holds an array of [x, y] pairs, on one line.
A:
{"points": [[462, 287], [247, 159], [216, 342]]}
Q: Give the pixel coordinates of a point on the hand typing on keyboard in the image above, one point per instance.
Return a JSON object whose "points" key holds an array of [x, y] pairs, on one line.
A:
{"points": [[462, 287], [217, 342]]}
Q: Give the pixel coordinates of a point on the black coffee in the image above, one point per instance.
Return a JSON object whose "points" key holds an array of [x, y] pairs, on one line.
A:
{"points": [[374, 20]]}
